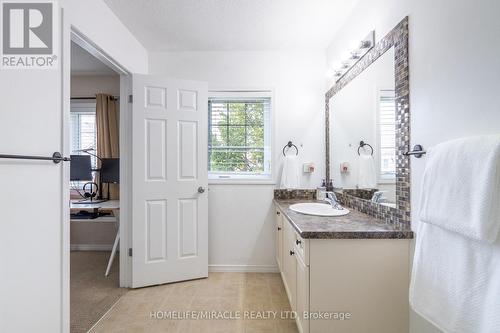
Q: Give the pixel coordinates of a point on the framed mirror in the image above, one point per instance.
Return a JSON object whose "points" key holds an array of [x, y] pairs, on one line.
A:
{"points": [[367, 118]]}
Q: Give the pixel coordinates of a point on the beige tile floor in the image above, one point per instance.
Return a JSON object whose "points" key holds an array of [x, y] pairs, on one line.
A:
{"points": [[240, 293]]}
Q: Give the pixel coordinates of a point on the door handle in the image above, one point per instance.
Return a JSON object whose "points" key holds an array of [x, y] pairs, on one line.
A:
{"points": [[56, 157], [201, 189]]}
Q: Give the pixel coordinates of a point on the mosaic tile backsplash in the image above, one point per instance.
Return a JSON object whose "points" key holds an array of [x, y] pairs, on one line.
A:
{"points": [[385, 213], [366, 194], [295, 194]]}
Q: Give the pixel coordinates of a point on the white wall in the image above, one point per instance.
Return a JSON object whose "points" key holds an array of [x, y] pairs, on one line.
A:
{"points": [[240, 217], [241, 228], [34, 273], [90, 85], [454, 71], [97, 22]]}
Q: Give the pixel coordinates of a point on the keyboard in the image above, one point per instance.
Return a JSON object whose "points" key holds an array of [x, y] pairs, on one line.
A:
{"points": [[83, 215]]}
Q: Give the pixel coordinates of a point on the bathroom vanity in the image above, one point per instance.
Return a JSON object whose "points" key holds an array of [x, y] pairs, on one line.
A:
{"points": [[351, 272], [348, 273]]}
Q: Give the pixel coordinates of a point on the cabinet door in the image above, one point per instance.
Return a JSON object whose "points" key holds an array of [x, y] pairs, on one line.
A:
{"points": [[290, 263], [279, 240], [302, 298]]}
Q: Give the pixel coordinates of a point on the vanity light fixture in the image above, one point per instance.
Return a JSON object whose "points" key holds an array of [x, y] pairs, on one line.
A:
{"points": [[363, 47]]}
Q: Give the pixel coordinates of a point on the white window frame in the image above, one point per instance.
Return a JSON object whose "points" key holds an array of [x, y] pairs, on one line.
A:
{"points": [[243, 178], [380, 178], [82, 106]]}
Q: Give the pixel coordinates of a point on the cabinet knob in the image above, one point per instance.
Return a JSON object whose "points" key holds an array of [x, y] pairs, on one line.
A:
{"points": [[292, 253], [298, 241], [279, 228], [277, 213]]}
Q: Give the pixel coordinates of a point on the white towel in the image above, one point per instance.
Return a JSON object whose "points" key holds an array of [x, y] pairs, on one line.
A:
{"points": [[461, 187], [290, 175], [455, 282], [367, 175]]}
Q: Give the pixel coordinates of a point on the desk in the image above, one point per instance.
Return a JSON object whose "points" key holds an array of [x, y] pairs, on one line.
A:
{"points": [[114, 206], [108, 205]]}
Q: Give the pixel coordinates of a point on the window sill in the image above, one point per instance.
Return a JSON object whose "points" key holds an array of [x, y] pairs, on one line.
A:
{"points": [[240, 181], [386, 182]]}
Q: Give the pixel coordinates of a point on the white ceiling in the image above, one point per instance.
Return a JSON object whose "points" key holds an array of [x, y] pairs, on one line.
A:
{"points": [[83, 63], [222, 25]]}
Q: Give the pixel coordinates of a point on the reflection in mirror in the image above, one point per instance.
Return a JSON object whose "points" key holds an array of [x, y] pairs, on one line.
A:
{"points": [[364, 110]]}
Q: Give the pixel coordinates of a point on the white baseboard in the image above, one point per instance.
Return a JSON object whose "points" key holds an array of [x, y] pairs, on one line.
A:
{"points": [[244, 268], [91, 247]]}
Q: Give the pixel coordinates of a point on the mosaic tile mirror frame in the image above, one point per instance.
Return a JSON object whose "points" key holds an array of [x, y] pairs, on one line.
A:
{"points": [[397, 38]]}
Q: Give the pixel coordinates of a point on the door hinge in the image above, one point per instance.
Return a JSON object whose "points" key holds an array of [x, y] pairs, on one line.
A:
{"points": [[130, 252], [130, 98]]}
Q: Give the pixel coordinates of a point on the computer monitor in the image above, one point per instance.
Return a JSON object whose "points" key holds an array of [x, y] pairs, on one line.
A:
{"points": [[81, 168], [110, 170]]}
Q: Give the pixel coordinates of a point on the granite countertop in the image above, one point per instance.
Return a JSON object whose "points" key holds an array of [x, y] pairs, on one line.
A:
{"points": [[354, 225]]}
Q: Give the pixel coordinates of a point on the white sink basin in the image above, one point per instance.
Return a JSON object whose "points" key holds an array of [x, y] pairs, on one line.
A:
{"points": [[319, 209]]}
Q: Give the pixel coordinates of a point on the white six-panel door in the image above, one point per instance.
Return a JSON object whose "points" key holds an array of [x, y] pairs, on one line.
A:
{"points": [[169, 172]]}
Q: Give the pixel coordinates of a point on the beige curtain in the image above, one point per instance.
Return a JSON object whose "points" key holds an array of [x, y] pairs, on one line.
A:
{"points": [[107, 123]]}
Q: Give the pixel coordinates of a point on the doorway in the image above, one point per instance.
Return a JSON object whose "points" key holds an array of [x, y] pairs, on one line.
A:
{"points": [[173, 197], [94, 124]]}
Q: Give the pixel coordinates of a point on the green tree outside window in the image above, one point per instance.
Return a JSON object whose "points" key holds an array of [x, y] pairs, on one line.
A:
{"points": [[237, 139]]}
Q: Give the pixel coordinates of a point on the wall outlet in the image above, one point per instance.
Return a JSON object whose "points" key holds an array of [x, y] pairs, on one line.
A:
{"points": [[345, 167], [308, 167]]}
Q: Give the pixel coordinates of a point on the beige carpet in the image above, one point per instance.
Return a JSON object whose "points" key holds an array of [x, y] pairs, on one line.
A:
{"points": [[92, 294]]}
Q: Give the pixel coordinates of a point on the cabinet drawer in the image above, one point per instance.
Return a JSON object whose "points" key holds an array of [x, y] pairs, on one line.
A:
{"points": [[302, 248], [278, 220]]}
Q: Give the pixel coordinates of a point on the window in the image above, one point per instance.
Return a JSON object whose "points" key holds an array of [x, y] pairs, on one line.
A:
{"points": [[83, 133], [387, 135], [239, 135]]}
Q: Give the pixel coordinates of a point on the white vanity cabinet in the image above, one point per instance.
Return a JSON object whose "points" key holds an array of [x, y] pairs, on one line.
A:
{"points": [[362, 284], [289, 267], [295, 273], [279, 238], [302, 297]]}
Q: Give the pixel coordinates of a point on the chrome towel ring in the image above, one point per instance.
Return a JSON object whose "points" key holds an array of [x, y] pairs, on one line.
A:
{"points": [[290, 145], [362, 144]]}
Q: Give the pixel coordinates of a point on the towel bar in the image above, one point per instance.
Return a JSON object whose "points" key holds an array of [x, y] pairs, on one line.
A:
{"points": [[56, 157], [418, 151]]}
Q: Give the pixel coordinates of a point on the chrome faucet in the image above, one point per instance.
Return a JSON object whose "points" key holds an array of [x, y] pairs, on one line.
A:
{"points": [[331, 198], [378, 197]]}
